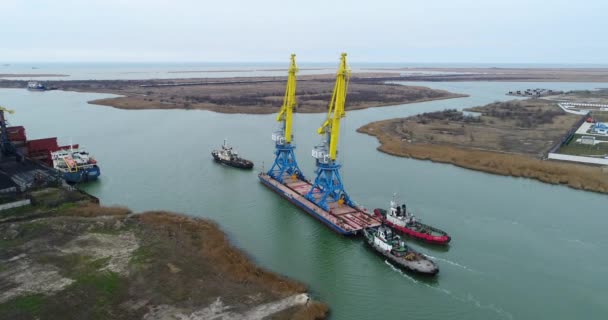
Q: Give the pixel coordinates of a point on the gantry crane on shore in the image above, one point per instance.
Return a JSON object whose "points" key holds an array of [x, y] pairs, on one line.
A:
{"points": [[5, 144], [285, 163], [328, 185]]}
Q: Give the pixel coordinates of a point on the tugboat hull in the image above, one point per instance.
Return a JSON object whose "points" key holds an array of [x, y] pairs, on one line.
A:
{"points": [[443, 239], [424, 266], [240, 163], [85, 175]]}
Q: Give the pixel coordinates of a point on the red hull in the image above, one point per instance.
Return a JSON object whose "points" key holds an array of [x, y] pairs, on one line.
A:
{"points": [[415, 234]]}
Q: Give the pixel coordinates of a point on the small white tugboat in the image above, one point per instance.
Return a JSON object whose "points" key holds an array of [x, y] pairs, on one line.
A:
{"points": [[384, 241], [230, 157]]}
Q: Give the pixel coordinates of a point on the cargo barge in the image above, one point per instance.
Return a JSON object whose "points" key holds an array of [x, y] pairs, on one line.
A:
{"points": [[342, 218], [325, 199]]}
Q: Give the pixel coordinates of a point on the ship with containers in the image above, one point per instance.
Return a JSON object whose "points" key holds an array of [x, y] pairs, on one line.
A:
{"points": [[73, 163], [325, 198]]}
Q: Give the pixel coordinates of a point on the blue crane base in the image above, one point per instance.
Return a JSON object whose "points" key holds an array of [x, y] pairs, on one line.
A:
{"points": [[328, 186], [285, 163]]}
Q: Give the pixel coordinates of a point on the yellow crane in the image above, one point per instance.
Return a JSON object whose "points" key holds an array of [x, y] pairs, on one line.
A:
{"points": [[289, 101], [285, 163], [335, 110], [3, 109], [328, 185]]}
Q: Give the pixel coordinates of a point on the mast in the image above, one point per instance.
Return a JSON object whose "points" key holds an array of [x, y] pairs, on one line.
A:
{"points": [[328, 185], [285, 163]]}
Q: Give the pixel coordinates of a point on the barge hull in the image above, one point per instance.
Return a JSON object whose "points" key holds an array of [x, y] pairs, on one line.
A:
{"points": [[344, 219]]}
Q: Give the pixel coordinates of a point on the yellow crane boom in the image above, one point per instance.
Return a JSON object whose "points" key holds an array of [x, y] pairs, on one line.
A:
{"points": [[3, 109], [335, 110], [289, 101]]}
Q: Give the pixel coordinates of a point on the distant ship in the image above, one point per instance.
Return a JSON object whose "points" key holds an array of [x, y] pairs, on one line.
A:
{"points": [[230, 157], [76, 165], [36, 86]]}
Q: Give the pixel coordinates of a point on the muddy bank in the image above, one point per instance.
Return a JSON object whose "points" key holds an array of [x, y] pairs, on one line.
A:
{"points": [[83, 261], [255, 95]]}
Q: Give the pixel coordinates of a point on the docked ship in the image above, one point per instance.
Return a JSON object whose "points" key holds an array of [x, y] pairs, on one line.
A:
{"points": [[230, 157], [324, 199], [401, 219], [36, 86], [76, 165], [385, 242]]}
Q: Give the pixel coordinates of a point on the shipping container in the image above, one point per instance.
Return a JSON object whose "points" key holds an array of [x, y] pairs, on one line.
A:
{"points": [[16, 134], [46, 144]]}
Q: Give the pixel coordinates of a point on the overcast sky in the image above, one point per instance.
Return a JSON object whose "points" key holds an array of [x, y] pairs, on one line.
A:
{"points": [[514, 31]]}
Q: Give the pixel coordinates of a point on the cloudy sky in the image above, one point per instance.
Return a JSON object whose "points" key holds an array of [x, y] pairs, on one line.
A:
{"points": [[514, 31]]}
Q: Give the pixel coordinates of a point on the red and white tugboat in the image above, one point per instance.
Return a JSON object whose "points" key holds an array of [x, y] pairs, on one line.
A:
{"points": [[399, 218]]}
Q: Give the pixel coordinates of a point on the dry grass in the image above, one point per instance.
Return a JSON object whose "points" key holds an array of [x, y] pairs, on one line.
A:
{"points": [[94, 210], [215, 246], [523, 127], [267, 97]]}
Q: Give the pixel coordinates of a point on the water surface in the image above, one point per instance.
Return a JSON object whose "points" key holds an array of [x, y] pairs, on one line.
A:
{"points": [[521, 249]]}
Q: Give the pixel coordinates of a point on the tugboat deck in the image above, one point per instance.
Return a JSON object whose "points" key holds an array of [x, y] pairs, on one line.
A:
{"points": [[344, 219]]}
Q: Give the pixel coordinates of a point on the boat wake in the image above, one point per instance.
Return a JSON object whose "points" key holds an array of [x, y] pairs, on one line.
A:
{"points": [[405, 275], [468, 299], [456, 264]]}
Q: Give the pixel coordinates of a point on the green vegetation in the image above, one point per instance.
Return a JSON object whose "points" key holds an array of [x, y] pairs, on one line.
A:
{"points": [[142, 255], [578, 149], [29, 305], [601, 116]]}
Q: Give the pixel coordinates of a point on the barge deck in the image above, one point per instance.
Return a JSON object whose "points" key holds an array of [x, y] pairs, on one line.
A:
{"points": [[343, 219]]}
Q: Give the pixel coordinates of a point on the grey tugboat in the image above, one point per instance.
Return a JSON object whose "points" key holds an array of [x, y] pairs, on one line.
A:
{"points": [[230, 157], [385, 242]]}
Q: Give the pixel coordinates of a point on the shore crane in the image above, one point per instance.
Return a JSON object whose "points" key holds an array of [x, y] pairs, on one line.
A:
{"points": [[5, 144], [285, 163], [328, 185]]}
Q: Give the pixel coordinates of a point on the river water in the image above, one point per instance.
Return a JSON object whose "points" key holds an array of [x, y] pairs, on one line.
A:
{"points": [[520, 250]]}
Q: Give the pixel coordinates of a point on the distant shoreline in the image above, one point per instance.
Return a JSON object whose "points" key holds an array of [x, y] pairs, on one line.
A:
{"points": [[506, 74], [246, 95], [30, 75]]}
